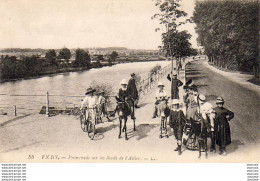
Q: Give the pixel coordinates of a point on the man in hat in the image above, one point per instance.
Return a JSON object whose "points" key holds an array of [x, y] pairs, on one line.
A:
{"points": [[90, 101], [160, 95], [221, 126], [177, 122], [132, 90], [176, 83], [123, 95]]}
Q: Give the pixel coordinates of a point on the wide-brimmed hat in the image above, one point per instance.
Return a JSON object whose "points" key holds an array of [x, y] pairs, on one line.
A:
{"points": [[90, 90], [123, 82], [202, 98], [100, 92], [160, 84], [220, 100], [194, 87]]}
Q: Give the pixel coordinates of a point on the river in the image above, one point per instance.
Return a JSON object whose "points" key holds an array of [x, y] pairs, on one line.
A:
{"points": [[72, 83]]}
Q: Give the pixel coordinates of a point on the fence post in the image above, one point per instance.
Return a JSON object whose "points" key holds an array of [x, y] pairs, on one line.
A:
{"points": [[47, 104], [149, 80], [15, 113]]}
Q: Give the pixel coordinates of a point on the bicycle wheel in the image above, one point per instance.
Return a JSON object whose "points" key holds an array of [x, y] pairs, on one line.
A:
{"points": [[90, 129], [83, 123]]}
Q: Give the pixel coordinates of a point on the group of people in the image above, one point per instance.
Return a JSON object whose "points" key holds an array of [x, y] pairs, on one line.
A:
{"points": [[96, 99], [204, 118]]}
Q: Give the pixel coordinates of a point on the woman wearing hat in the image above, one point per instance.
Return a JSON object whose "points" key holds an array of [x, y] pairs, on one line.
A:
{"points": [[191, 101], [89, 102], [160, 94], [221, 127]]}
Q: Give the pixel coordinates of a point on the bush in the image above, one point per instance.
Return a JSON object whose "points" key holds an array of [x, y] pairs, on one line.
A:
{"points": [[155, 69], [107, 88]]}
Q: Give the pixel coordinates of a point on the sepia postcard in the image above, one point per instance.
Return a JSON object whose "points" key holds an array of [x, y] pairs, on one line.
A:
{"points": [[137, 81]]}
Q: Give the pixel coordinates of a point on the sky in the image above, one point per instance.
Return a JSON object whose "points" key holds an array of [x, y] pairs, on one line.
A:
{"points": [[82, 23]]}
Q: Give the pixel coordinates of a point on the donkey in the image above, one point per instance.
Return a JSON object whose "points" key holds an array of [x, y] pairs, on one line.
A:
{"points": [[164, 112], [123, 110]]}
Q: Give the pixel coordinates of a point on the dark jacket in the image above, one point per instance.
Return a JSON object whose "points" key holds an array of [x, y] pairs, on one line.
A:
{"points": [[176, 83], [131, 89], [177, 122], [222, 128], [122, 94]]}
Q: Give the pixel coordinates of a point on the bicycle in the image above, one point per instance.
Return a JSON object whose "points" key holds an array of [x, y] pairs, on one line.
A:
{"points": [[88, 124]]}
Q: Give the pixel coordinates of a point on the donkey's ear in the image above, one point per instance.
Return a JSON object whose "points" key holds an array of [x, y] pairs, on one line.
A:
{"points": [[189, 82], [117, 99]]}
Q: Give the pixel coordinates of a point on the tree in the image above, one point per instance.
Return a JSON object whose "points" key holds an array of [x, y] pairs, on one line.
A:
{"points": [[170, 16], [228, 31], [113, 56], [51, 57], [82, 58], [65, 53], [100, 57], [176, 44]]}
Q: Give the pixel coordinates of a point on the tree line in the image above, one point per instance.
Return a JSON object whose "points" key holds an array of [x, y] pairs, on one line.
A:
{"points": [[12, 67], [228, 31]]}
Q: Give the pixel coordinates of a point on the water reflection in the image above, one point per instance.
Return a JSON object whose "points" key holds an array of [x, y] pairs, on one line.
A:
{"points": [[73, 83]]}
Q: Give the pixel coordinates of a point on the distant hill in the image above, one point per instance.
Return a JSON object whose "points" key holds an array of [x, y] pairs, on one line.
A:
{"points": [[112, 48]]}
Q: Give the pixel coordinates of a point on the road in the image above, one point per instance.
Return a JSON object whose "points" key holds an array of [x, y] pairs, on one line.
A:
{"points": [[62, 136], [239, 99]]}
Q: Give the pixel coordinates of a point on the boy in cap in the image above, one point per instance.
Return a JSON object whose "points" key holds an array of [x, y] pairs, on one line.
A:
{"points": [[160, 95], [177, 122], [221, 127]]}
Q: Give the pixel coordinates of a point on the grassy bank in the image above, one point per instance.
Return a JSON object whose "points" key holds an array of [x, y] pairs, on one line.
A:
{"points": [[52, 70]]}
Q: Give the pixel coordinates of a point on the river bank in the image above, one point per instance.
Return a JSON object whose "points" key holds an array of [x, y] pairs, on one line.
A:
{"points": [[55, 71]]}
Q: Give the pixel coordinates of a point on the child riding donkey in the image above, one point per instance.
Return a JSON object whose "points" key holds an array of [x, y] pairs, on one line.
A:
{"points": [[161, 101], [160, 95]]}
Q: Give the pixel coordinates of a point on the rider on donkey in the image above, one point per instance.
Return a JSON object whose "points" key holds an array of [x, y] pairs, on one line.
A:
{"points": [[160, 95], [177, 122], [124, 96], [221, 126], [206, 113], [205, 110]]}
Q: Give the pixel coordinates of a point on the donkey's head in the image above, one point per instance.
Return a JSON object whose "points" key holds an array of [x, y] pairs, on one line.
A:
{"points": [[162, 106]]}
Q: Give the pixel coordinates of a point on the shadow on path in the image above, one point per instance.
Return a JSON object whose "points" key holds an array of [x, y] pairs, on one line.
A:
{"points": [[12, 120], [102, 130], [18, 148], [234, 146], [142, 130]]}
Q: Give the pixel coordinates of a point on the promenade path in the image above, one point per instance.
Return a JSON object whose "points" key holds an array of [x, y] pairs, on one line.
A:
{"points": [[61, 135]]}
